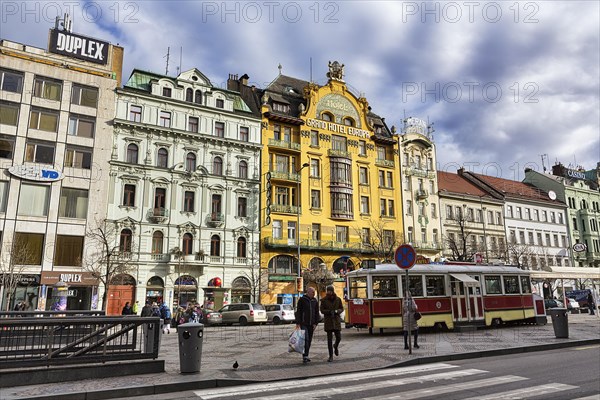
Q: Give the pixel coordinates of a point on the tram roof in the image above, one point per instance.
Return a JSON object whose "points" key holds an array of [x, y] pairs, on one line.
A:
{"points": [[439, 268]]}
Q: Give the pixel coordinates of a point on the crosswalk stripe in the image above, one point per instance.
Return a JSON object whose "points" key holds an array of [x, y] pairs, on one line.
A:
{"points": [[454, 387], [592, 397], [299, 384], [527, 392], [344, 389]]}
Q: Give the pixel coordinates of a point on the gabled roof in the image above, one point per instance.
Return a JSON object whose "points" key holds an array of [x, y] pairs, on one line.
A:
{"points": [[454, 183]]}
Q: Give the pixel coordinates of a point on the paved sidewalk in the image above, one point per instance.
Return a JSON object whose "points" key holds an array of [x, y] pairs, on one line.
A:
{"points": [[261, 352]]}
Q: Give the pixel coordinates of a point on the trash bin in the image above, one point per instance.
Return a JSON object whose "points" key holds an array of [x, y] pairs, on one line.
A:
{"points": [[190, 346], [148, 330], [560, 322]]}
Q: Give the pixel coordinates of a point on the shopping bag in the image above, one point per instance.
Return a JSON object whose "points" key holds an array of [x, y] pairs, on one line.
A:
{"points": [[296, 342]]}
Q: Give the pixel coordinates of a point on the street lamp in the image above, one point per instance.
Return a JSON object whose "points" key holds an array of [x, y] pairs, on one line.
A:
{"points": [[298, 178]]}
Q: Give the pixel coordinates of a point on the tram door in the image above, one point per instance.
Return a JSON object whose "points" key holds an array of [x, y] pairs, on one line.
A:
{"points": [[467, 303]]}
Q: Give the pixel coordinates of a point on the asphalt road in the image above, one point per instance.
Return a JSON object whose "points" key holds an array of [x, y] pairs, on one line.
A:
{"points": [[571, 373]]}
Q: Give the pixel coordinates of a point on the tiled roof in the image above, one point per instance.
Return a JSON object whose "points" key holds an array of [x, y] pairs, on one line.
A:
{"points": [[454, 183], [514, 189]]}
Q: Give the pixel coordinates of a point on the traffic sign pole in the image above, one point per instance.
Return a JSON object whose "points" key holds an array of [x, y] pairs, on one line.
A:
{"points": [[405, 257]]}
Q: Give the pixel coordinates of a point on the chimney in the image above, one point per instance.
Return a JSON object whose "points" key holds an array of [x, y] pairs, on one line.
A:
{"points": [[244, 79]]}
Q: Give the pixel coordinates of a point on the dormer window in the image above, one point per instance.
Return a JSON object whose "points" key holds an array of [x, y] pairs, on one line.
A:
{"points": [[325, 116], [198, 97], [220, 103], [167, 92], [280, 107], [189, 95]]}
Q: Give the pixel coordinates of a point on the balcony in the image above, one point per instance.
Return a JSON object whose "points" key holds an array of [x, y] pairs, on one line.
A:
{"points": [[385, 163], [215, 219], [339, 153], [285, 209], [421, 194], [160, 257], [286, 176], [319, 245], [427, 245], [282, 144], [158, 214], [421, 173]]}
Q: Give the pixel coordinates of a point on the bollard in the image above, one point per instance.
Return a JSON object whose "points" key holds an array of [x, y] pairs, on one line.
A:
{"points": [[190, 336], [560, 322], [149, 336]]}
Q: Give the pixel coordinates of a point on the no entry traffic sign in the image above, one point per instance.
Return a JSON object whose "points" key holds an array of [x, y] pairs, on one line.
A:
{"points": [[405, 256]]}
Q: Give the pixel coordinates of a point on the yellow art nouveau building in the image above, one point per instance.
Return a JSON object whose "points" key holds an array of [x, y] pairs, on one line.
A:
{"points": [[330, 187]]}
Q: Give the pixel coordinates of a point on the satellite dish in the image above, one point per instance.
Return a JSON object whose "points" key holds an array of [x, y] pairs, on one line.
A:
{"points": [[552, 195]]}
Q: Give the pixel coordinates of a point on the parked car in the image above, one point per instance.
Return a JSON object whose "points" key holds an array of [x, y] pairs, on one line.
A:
{"points": [[551, 303], [243, 313], [572, 305], [278, 313], [212, 318], [580, 296]]}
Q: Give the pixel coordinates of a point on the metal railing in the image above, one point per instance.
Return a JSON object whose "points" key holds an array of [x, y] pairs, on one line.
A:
{"points": [[339, 153], [385, 163], [284, 144], [37, 314], [29, 342]]}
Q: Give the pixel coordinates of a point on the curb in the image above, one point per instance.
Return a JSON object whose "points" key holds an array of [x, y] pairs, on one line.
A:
{"points": [[215, 383]]}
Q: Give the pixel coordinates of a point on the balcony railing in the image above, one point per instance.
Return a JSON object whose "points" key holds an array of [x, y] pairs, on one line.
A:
{"points": [[282, 144], [215, 219], [280, 208], [421, 194], [158, 214], [339, 153], [241, 260], [385, 163], [288, 176], [427, 245], [323, 245], [422, 173], [160, 257]]}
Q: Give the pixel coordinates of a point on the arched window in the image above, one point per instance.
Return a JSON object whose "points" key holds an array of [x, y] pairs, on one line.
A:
{"points": [[315, 263], [198, 98], [189, 95], [326, 116], [190, 162], [215, 245], [348, 121], [243, 170], [217, 166], [241, 247], [188, 244], [132, 154], [163, 158], [125, 241], [157, 242]]}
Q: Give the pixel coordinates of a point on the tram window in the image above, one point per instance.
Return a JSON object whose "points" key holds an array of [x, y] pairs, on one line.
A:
{"points": [[511, 285], [525, 285], [385, 286], [415, 285], [492, 285], [358, 288], [435, 285]]}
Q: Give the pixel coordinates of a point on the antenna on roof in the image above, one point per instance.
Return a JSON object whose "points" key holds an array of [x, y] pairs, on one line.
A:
{"points": [[311, 70], [180, 59], [167, 56], [279, 67], [544, 165]]}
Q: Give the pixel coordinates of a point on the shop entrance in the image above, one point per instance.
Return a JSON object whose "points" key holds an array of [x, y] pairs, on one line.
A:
{"points": [[121, 290], [155, 290]]}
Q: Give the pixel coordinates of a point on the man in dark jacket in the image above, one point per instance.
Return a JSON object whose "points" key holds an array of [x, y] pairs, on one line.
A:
{"points": [[147, 310], [307, 317]]}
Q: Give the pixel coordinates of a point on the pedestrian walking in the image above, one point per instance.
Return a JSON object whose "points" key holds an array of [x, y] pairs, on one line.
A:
{"points": [[307, 318], [136, 307], [127, 310], [408, 320], [591, 303], [165, 314], [147, 310], [331, 308]]}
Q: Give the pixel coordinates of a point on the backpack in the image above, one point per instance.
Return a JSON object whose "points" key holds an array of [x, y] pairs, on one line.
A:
{"points": [[166, 313], [156, 312]]}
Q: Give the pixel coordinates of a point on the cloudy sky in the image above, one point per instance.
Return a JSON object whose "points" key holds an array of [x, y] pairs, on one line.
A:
{"points": [[503, 82]]}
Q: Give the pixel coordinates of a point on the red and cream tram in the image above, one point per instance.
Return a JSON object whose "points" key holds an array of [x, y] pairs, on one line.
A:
{"points": [[447, 295]]}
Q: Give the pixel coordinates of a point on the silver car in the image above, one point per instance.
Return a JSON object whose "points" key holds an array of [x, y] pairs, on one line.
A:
{"points": [[243, 313], [278, 313]]}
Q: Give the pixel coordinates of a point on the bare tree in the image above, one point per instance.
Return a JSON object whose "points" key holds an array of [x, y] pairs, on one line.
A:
{"points": [[519, 254], [15, 256], [110, 257], [320, 275], [458, 243], [380, 241], [255, 274]]}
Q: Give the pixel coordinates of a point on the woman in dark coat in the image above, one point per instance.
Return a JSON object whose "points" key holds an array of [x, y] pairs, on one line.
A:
{"points": [[408, 320], [331, 308]]}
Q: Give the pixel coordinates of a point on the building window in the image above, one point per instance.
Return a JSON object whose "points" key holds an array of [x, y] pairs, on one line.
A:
{"points": [[33, 200], [157, 242], [243, 170], [242, 207], [341, 205], [560, 219], [217, 166], [244, 134], [216, 204], [132, 154], [160, 198], [291, 230], [81, 126], [68, 251], [129, 195], [325, 116], [33, 244], [277, 132], [410, 235], [162, 158], [391, 211], [314, 168], [215, 245], [315, 231], [435, 237], [315, 199], [220, 103], [47, 88], [190, 162], [341, 173], [167, 92], [187, 244], [364, 205], [73, 203], [241, 247], [341, 234], [84, 96], [189, 95], [188, 201], [198, 97], [433, 211], [220, 129], [9, 113], [363, 176], [165, 119], [339, 143], [348, 121], [552, 217], [409, 210], [544, 216], [11, 81], [277, 229], [518, 215], [382, 208], [380, 153], [362, 148], [193, 124], [530, 235], [3, 197], [390, 179], [280, 107], [135, 113], [78, 158], [539, 239], [365, 236], [43, 120], [314, 138], [39, 153], [125, 241], [6, 148], [381, 179]]}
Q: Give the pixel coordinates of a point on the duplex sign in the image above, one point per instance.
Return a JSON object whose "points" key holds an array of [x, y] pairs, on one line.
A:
{"points": [[77, 46], [36, 173]]}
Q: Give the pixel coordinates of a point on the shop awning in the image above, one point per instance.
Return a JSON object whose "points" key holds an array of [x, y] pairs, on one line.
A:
{"points": [[466, 279]]}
